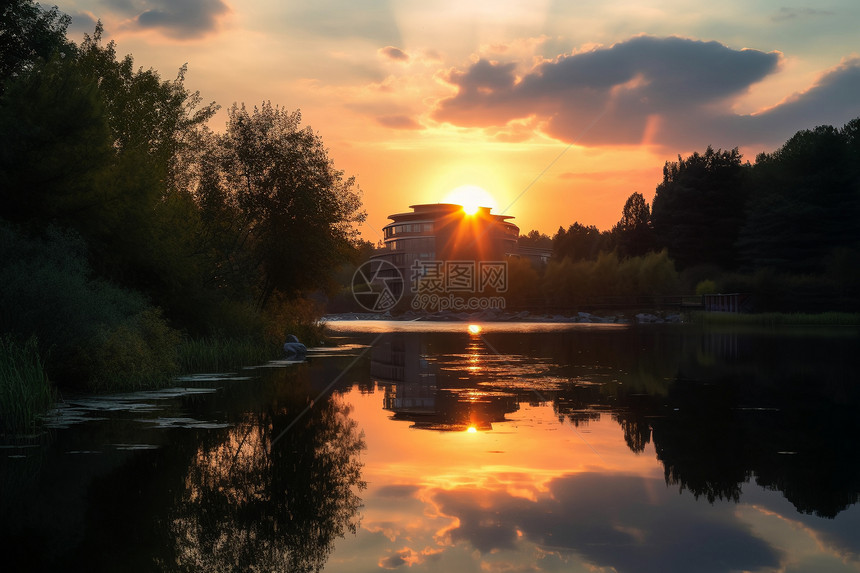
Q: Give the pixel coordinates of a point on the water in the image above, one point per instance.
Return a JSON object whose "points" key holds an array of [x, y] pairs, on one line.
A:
{"points": [[424, 447]]}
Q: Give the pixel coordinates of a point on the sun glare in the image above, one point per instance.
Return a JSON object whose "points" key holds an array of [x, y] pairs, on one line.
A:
{"points": [[472, 430], [475, 329], [471, 197]]}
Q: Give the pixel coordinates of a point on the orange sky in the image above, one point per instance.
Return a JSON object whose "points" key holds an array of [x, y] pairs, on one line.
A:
{"points": [[559, 110]]}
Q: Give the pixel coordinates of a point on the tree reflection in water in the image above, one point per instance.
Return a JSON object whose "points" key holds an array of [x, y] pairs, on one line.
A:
{"points": [[251, 504]]}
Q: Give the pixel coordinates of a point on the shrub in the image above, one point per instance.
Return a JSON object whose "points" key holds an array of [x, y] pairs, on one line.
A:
{"points": [[139, 352], [706, 286]]}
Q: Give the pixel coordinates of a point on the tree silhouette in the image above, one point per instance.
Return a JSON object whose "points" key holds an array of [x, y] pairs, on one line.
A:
{"points": [[254, 503], [633, 234], [698, 208]]}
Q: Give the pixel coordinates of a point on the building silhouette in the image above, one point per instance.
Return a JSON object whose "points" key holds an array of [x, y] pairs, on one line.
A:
{"points": [[441, 233]]}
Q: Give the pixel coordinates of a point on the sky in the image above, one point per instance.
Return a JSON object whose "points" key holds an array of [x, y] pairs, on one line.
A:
{"points": [[559, 110]]}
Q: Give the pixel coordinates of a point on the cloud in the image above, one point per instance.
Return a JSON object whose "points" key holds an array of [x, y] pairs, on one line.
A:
{"points": [[623, 522], [82, 23], [393, 53], [410, 557], [398, 122], [661, 91], [786, 13], [183, 20]]}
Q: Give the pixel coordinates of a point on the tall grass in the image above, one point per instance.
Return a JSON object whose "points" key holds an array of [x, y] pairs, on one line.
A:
{"points": [[779, 318], [223, 354], [25, 391]]}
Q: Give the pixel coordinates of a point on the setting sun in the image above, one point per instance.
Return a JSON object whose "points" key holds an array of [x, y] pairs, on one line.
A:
{"points": [[471, 197]]}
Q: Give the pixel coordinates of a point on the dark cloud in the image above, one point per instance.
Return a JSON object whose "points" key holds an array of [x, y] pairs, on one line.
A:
{"points": [[393, 53], [398, 122], [622, 522], [392, 562], [184, 19], [82, 23], [662, 91]]}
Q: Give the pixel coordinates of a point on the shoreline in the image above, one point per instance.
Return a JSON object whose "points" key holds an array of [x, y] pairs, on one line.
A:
{"points": [[521, 316]]}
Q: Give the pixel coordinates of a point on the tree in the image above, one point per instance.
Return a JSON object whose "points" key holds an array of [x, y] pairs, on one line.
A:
{"points": [[698, 208], [535, 238], [633, 234], [54, 146], [294, 211], [28, 35], [805, 201], [579, 242]]}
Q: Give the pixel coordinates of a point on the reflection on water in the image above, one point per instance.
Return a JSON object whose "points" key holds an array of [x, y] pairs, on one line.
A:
{"points": [[565, 447]]}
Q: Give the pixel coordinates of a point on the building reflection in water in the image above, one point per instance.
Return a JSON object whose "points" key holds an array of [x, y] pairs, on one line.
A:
{"points": [[418, 390]]}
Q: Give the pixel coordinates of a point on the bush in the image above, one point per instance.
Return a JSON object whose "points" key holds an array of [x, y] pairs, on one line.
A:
{"points": [[97, 335], [298, 316], [706, 286], [140, 352]]}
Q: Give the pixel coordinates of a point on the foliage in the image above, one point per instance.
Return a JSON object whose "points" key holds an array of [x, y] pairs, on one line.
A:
{"points": [[579, 242], [96, 333], [535, 238], [221, 354], [275, 197], [25, 390], [706, 286], [281, 498], [140, 352], [633, 234], [523, 284], [55, 147], [805, 202], [29, 34], [698, 208], [570, 284]]}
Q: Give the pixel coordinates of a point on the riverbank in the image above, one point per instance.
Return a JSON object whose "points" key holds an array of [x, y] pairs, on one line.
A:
{"points": [[654, 317], [646, 317]]}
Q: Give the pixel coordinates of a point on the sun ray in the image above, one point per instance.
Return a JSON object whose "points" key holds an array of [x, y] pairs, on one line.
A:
{"points": [[471, 197]]}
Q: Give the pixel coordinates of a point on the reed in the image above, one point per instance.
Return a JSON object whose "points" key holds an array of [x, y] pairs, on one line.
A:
{"points": [[223, 354], [779, 318], [25, 391]]}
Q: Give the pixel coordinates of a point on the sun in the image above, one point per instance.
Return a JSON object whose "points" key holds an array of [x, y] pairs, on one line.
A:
{"points": [[471, 197]]}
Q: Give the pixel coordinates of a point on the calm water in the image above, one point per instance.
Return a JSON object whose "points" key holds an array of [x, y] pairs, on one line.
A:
{"points": [[424, 447]]}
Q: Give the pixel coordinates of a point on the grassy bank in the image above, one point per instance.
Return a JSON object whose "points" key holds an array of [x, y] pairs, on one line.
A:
{"points": [[222, 354], [778, 319], [25, 391]]}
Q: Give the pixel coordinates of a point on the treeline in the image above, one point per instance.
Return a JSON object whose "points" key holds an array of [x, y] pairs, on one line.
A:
{"points": [[126, 224], [785, 229]]}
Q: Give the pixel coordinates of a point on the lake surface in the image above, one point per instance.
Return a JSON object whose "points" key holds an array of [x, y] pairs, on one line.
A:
{"points": [[426, 447]]}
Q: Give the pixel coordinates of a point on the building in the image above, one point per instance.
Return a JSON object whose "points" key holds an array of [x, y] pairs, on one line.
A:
{"points": [[445, 232]]}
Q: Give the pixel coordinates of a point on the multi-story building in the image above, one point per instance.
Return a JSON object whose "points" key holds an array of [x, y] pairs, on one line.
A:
{"points": [[445, 232]]}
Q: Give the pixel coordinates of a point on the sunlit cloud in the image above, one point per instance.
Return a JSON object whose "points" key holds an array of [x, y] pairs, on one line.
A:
{"points": [[399, 122], [623, 91], [646, 527], [670, 92]]}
